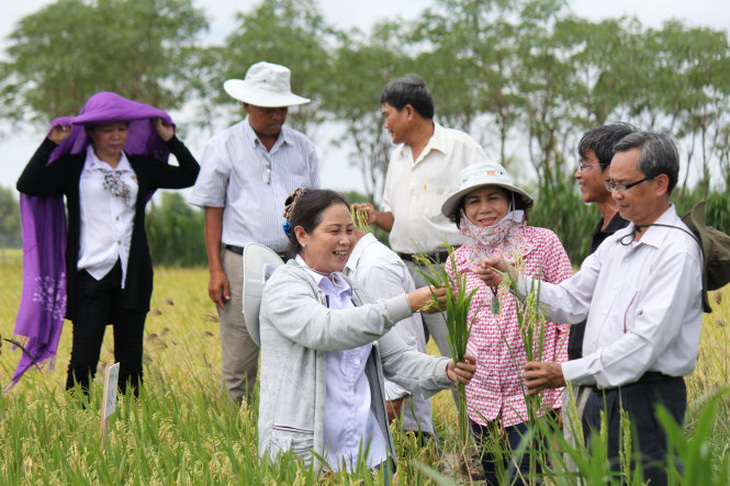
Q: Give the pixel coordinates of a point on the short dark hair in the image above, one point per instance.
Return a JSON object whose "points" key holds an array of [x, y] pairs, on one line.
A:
{"points": [[307, 212], [602, 141], [408, 90], [659, 154]]}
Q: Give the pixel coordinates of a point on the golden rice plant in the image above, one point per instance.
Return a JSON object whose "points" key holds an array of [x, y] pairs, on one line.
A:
{"points": [[360, 219], [456, 314]]}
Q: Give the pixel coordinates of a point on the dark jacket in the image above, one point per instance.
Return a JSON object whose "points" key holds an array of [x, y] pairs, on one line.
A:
{"points": [[63, 176]]}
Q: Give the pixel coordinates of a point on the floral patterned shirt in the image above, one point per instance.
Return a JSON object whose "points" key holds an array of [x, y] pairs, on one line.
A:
{"points": [[496, 390]]}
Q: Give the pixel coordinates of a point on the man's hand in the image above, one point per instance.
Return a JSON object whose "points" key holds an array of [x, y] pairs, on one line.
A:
{"points": [[539, 376], [383, 220], [393, 407], [218, 288], [369, 209], [463, 370]]}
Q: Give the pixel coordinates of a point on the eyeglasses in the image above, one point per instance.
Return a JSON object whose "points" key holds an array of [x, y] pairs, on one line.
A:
{"points": [[612, 186], [267, 169], [582, 167]]}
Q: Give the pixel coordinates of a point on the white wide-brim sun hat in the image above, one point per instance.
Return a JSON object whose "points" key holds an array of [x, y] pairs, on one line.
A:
{"points": [[266, 85], [483, 174], [259, 263]]}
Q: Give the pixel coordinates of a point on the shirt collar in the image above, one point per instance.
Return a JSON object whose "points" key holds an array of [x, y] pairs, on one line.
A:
{"points": [[357, 252], [93, 162], [283, 138], [436, 142], [332, 284], [654, 235], [616, 223]]}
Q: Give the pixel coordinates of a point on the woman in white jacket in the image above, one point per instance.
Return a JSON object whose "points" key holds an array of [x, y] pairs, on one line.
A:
{"points": [[324, 347]]}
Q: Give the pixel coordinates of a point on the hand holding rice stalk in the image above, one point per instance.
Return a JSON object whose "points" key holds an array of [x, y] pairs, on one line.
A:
{"points": [[360, 219], [457, 306], [530, 316]]}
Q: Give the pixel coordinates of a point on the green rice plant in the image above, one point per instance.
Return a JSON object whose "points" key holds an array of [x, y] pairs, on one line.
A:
{"points": [[456, 315], [182, 430]]}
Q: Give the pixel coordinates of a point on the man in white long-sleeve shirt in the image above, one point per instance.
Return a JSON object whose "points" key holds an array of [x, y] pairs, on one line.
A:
{"points": [[641, 293], [384, 275]]}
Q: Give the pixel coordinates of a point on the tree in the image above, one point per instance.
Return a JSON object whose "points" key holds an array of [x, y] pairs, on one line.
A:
{"points": [[468, 55], [287, 32], [71, 49], [362, 67], [175, 232], [9, 219]]}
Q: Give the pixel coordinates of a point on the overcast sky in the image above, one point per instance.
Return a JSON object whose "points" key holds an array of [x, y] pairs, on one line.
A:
{"points": [[362, 14]]}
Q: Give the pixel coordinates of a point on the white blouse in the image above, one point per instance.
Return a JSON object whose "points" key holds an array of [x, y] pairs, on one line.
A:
{"points": [[350, 426], [107, 198]]}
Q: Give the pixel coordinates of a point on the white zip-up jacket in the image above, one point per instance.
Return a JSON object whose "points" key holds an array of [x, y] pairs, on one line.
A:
{"points": [[297, 329]]}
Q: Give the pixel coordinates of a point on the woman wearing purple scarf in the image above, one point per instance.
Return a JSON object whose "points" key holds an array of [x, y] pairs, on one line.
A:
{"points": [[107, 162]]}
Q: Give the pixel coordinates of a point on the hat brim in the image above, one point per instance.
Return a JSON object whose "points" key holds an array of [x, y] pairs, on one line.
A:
{"points": [[448, 208], [237, 88], [257, 258]]}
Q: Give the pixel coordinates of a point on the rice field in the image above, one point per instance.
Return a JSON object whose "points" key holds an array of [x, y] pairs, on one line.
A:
{"points": [[183, 431]]}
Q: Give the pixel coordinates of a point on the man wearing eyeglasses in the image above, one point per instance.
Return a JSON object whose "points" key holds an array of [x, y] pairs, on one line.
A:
{"points": [[641, 293], [595, 149], [247, 172]]}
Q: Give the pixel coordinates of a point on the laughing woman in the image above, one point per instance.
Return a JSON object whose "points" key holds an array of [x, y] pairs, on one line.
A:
{"points": [[107, 162], [491, 211], [324, 347]]}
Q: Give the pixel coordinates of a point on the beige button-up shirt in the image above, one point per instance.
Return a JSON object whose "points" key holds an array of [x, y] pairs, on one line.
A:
{"points": [[415, 190]]}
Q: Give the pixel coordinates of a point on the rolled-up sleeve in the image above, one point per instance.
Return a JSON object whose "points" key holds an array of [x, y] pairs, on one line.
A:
{"points": [[210, 187]]}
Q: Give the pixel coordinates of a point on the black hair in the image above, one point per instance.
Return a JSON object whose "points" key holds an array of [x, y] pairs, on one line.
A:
{"points": [[659, 154], [305, 209], [408, 90], [602, 141]]}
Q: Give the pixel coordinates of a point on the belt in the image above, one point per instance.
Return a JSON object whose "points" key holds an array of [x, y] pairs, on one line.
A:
{"points": [[648, 377], [239, 250], [436, 256]]}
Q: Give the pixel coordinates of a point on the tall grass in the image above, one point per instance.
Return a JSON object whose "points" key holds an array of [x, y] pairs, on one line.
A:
{"points": [[181, 430]]}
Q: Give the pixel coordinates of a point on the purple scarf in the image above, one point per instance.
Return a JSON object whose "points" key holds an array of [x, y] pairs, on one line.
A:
{"points": [[43, 300]]}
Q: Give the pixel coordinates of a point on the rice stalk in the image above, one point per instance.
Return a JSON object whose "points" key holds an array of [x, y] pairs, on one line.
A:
{"points": [[456, 315]]}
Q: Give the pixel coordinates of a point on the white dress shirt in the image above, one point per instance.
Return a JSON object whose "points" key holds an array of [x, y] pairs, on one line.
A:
{"points": [[251, 184], [350, 426], [415, 190], [107, 220], [642, 301], [383, 275]]}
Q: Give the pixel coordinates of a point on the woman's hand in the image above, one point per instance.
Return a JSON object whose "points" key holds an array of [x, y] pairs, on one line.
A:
{"points": [[59, 133], [164, 130], [422, 300], [463, 370]]}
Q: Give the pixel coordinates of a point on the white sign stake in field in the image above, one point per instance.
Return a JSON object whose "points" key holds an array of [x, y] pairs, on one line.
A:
{"points": [[111, 377]]}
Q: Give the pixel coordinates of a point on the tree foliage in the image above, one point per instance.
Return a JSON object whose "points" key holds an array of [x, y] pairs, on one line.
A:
{"points": [[175, 232], [525, 77], [288, 32], [71, 49], [9, 218]]}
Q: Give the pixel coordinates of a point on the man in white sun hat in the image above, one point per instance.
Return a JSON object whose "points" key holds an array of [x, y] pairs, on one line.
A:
{"points": [[247, 172]]}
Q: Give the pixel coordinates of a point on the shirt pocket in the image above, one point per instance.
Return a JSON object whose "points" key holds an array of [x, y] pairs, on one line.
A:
{"points": [[434, 198], [285, 438]]}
